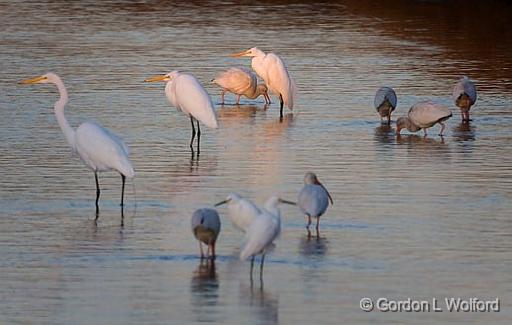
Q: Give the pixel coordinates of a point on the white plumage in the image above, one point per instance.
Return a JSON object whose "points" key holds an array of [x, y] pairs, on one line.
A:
{"points": [[241, 211], [424, 115], [97, 147], [273, 71], [385, 102], [186, 94], [241, 82]]}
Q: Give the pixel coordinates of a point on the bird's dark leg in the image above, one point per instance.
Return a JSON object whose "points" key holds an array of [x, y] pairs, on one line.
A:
{"points": [[123, 178], [97, 192], [238, 99], [198, 137], [389, 118], [252, 265], [201, 250], [261, 265], [282, 104], [193, 132], [222, 96], [213, 251], [317, 224], [425, 132], [442, 128]]}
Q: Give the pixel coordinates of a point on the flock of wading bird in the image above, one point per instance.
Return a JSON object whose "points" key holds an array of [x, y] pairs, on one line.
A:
{"points": [[102, 150]]}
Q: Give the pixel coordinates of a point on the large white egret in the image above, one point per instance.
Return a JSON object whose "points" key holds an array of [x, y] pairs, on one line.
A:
{"points": [[423, 115], [186, 94], [464, 95], [241, 82], [241, 211], [385, 102], [97, 147], [206, 228], [313, 200], [263, 230], [273, 71]]}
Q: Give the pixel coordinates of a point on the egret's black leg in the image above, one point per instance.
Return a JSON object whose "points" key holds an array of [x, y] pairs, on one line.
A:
{"points": [[122, 189], [198, 136], [252, 265], [193, 133], [97, 191], [282, 104], [261, 265]]}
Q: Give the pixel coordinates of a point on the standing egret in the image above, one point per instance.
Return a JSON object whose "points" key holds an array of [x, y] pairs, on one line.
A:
{"points": [[385, 102], [241, 82], [464, 95], [97, 147], [273, 71], [206, 227], [186, 94], [263, 230], [241, 211], [423, 115], [313, 200]]}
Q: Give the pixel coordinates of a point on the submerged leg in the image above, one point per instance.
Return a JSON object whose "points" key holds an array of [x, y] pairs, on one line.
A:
{"points": [[442, 128], [389, 118], [193, 132], [198, 136], [122, 189], [97, 191], [282, 104]]}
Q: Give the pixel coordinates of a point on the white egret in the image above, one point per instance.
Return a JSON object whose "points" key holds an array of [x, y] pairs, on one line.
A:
{"points": [[464, 95], [263, 230], [423, 115], [206, 227], [97, 147], [313, 199], [273, 71], [385, 102], [241, 82], [186, 94], [241, 211]]}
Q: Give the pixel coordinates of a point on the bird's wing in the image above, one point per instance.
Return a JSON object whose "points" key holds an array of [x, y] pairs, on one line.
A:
{"points": [[262, 231], [193, 99], [237, 80], [465, 86], [242, 213], [426, 114], [385, 93], [279, 80], [102, 150], [313, 200], [208, 218]]}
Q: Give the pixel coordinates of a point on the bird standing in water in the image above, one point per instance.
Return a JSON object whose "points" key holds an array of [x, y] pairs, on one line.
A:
{"points": [[241, 82], [385, 102], [206, 228], [313, 200], [423, 115], [464, 95]]}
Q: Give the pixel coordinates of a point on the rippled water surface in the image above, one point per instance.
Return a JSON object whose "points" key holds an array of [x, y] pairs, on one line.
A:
{"points": [[413, 217]]}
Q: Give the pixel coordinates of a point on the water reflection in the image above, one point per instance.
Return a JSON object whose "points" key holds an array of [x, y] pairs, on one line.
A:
{"points": [[464, 132], [262, 305], [385, 134], [424, 147], [313, 247], [232, 115], [204, 286]]}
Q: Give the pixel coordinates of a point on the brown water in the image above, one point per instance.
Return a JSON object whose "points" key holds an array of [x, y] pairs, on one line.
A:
{"points": [[413, 217]]}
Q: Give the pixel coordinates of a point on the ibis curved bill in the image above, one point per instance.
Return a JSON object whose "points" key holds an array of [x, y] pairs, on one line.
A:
{"points": [[97, 147]]}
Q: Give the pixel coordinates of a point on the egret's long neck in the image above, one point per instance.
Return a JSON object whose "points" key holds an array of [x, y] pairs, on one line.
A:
{"points": [[69, 133]]}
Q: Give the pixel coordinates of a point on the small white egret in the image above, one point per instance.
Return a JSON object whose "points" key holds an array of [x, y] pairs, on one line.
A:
{"points": [[423, 115], [273, 71], [241, 82], [241, 211], [186, 94], [464, 95], [97, 147], [263, 230], [385, 102], [313, 200], [206, 227]]}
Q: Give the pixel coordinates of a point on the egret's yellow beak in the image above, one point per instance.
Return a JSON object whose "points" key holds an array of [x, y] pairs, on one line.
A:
{"points": [[32, 80], [287, 202], [157, 78], [239, 54]]}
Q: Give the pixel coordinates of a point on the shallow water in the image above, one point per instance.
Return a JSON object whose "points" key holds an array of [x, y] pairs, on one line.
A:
{"points": [[413, 217]]}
